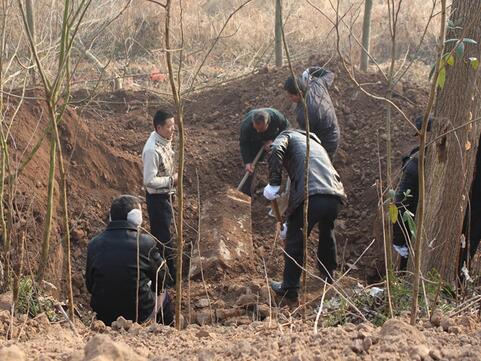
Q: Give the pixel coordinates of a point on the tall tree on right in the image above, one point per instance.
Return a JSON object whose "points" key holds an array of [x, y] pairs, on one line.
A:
{"points": [[451, 159]]}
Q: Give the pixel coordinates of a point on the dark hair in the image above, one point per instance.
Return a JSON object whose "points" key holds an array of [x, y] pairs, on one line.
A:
{"points": [[290, 86], [261, 117], [161, 117], [121, 206], [419, 121]]}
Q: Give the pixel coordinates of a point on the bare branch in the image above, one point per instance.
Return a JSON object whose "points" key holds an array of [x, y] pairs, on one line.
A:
{"points": [[215, 42]]}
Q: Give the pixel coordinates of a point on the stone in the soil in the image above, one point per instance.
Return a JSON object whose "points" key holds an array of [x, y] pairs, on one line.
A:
{"points": [[226, 236], [102, 348], [436, 318], [446, 323], [77, 234], [435, 354], [205, 356], [121, 324], [419, 352], [367, 343], [224, 314], [263, 311], [357, 346], [249, 300], [202, 334], [203, 317], [135, 329], [12, 353], [202, 303], [5, 302], [395, 328], [98, 326], [454, 329], [42, 320]]}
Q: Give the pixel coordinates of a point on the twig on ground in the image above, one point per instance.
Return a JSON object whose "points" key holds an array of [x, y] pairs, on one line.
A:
{"points": [[320, 308], [70, 322]]}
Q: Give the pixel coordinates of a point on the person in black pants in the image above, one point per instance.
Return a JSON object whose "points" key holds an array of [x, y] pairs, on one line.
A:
{"points": [[472, 222], [159, 207], [160, 179], [326, 194], [406, 198], [323, 211]]}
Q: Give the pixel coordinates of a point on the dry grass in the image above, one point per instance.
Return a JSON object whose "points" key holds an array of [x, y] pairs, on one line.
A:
{"points": [[132, 44]]}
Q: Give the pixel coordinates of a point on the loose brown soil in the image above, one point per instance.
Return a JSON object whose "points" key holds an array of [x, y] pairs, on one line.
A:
{"points": [[103, 139]]}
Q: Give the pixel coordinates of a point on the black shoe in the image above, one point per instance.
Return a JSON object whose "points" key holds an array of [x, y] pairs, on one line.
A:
{"points": [[327, 276], [281, 290]]}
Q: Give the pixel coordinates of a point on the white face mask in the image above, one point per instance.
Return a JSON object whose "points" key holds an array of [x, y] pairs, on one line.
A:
{"points": [[135, 217]]}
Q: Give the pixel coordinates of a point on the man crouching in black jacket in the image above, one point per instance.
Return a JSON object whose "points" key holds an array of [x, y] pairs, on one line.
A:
{"points": [[326, 193], [113, 263]]}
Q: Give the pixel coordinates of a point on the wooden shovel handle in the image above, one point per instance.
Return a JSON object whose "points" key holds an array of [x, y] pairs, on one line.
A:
{"points": [[254, 162], [277, 212]]}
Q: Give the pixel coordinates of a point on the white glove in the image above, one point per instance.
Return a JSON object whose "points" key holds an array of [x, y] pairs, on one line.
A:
{"points": [[402, 250], [283, 234], [271, 192]]}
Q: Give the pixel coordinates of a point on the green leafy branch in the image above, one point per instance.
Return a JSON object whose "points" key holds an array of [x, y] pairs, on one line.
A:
{"points": [[449, 59]]}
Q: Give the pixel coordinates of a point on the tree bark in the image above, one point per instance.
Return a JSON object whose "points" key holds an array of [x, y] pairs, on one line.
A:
{"points": [[278, 33], [451, 160], [366, 35], [30, 12]]}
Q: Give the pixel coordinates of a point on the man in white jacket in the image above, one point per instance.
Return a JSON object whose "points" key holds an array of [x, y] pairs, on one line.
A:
{"points": [[160, 179]]}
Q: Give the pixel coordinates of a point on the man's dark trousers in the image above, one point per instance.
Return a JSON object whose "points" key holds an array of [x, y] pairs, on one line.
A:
{"points": [[160, 216], [323, 211]]}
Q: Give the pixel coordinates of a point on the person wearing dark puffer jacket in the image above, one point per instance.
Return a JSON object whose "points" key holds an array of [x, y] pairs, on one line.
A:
{"points": [[125, 267], [314, 84], [326, 194], [472, 222], [406, 198]]}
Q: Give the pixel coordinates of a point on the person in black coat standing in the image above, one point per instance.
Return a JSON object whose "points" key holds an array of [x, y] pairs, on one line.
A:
{"points": [[125, 269], [326, 194]]}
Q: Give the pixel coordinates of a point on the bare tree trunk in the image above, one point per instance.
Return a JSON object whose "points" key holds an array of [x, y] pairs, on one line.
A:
{"points": [[44, 258], [30, 13], [452, 159], [366, 35], [180, 180], [418, 247], [278, 33]]}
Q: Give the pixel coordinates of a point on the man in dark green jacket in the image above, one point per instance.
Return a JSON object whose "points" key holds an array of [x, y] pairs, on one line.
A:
{"points": [[258, 129]]}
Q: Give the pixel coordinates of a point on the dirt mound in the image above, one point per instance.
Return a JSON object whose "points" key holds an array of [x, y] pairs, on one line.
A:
{"points": [[394, 329], [12, 353], [274, 339], [102, 348], [103, 140]]}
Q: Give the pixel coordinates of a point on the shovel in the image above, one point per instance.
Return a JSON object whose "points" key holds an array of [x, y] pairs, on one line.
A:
{"points": [[254, 162]]}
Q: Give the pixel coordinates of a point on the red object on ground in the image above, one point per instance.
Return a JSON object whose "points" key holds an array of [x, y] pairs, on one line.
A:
{"points": [[156, 75]]}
